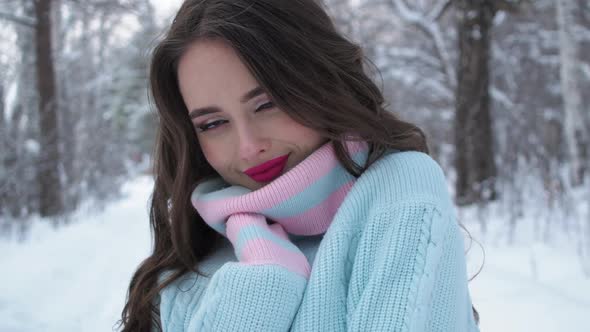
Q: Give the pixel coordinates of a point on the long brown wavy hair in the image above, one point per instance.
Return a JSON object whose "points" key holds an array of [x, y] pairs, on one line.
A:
{"points": [[308, 69]]}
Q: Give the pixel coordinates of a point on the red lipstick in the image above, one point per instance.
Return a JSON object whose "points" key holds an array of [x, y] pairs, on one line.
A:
{"points": [[269, 170]]}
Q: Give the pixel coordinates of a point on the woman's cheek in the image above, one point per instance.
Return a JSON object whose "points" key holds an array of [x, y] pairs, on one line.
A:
{"points": [[210, 153]]}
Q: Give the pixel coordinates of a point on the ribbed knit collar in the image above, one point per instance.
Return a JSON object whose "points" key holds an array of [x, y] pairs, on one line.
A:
{"points": [[303, 200]]}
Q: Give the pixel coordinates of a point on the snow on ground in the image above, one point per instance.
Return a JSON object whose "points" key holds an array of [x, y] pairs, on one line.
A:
{"points": [[535, 284], [75, 278]]}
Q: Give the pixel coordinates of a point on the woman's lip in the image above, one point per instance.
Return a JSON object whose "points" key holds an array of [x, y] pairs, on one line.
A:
{"points": [[264, 167], [270, 174]]}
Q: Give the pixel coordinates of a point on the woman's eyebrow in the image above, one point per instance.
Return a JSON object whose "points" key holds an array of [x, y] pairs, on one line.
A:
{"points": [[252, 93], [213, 109]]}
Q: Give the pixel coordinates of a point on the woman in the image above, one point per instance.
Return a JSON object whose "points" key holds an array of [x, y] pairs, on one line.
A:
{"points": [[286, 197]]}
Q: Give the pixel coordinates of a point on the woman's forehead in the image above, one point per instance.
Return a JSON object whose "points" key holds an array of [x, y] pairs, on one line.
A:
{"points": [[211, 72]]}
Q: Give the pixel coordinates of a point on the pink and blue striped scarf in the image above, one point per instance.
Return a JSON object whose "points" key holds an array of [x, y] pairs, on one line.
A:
{"points": [[303, 200]]}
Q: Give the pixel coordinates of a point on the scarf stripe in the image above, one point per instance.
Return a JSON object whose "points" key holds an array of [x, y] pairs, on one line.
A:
{"points": [[316, 192], [250, 232], [292, 261], [317, 216], [303, 200], [256, 243]]}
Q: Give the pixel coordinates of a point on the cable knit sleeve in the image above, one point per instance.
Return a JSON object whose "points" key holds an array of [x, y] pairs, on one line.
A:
{"points": [[409, 272], [238, 297]]}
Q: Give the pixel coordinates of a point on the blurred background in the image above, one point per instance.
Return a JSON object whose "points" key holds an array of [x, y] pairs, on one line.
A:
{"points": [[500, 87]]}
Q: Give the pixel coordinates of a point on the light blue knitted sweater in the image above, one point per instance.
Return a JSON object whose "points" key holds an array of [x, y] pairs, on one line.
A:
{"points": [[392, 260]]}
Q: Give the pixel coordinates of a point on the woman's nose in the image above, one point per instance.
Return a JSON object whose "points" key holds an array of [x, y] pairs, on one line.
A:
{"points": [[251, 142]]}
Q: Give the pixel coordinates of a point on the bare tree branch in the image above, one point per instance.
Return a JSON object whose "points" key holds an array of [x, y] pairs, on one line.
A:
{"points": [[439, 9], [124, 6], [510, 6], [26, 21], [427, 24]]}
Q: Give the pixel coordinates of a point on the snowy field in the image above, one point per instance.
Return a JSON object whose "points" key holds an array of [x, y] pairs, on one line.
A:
{"points": [[75, 278]]}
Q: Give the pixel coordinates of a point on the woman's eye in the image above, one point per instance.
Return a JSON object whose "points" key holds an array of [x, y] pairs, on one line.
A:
{"points": [[209, 125], [265, 106], [217, 123]]}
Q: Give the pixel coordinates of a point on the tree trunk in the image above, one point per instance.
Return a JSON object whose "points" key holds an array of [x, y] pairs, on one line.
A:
{"points": [[474, 159], [576, 135], [20, 195], [48, 168], [2, 122], [3, 157]]}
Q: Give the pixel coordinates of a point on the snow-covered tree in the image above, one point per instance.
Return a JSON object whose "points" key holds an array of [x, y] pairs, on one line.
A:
{"points": [[48, 175], [576, 116], [100, 51], [20, 135]]}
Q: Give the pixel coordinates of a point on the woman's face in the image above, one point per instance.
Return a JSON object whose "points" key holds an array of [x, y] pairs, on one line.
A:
{"points": [[238, 126]]}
